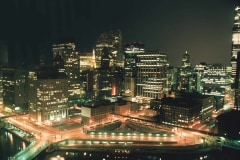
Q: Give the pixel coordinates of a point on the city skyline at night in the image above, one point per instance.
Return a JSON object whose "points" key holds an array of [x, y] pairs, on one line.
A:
{"points": [[202, 28], [152, 79]]}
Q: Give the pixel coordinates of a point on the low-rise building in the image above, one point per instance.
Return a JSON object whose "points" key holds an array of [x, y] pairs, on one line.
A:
{"points": [[183, 110], [96, 112]]}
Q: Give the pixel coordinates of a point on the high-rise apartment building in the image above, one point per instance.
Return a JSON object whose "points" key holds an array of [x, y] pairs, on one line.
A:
{"points": [[113, 41], [151, 75], [130, 67], [71, 68], [48, 96]]}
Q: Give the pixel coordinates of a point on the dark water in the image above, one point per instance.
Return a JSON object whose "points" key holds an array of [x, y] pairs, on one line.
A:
{"points": [[10, 144], [226, 154]]}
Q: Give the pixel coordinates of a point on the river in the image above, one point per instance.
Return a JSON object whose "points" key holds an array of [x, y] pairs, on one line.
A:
{"points": [[10, 144]]}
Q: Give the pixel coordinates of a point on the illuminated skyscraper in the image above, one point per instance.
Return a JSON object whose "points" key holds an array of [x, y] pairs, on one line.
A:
{"points": [[71, 68], [87, 61], [151, 75], [235, 44], [187, 78], [235, 61], [103, 76], [130, 67], [113, 41]]}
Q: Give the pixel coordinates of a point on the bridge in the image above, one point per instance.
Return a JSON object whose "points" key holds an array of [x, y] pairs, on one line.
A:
{"points": [[35, 148]]}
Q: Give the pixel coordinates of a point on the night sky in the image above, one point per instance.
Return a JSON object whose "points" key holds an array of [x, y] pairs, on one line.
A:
{"points": [[201, 27]]}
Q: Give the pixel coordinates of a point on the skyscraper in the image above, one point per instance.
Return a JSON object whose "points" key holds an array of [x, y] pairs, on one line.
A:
{"points": [[113, 41], [71, 62], [130, 67], [151, 75], [186, 60], [235, 44], [235, 52]]}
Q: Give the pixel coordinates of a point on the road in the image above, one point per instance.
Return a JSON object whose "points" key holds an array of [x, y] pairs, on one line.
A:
{"points": [[44, 134]]}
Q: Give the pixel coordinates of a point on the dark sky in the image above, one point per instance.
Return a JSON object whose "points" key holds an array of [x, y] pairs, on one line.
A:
{"points": [[201, 27]]}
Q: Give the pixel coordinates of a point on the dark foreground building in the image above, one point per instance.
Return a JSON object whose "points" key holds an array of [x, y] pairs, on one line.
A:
{"points": [[228, 124]]}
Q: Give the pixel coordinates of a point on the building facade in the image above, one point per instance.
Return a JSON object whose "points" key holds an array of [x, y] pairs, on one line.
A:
{"points": [[15, 97], [48, 97], [95, 113], [188, 79], [71, 68], [130, 67], [184, 109], [151, 75], [235, 44], [113, 41], [181, 112]]}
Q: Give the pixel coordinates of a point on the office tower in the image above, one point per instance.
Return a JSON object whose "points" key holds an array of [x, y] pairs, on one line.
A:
{"points": [[130, 67], [103, 76], [87, 66], [67, 52], [235, 44], [87, 61], [117, 81], [113, 41], [237, 84], [151, 75], [48, 96], [186, 60], [105, 59], [88, 84], [215, 79], [15, 97], [172, 76], [188, 79]]}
